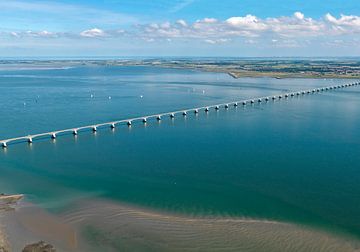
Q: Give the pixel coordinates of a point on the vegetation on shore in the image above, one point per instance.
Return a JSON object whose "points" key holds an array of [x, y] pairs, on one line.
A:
{"points": [[252, 67], [263, 68]]}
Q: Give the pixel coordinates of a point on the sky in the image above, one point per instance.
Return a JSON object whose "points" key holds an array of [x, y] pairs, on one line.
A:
{"points": [[208, 28]]}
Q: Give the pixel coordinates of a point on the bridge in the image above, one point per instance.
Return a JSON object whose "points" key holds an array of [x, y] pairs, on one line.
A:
{"points": [[54, 134]]}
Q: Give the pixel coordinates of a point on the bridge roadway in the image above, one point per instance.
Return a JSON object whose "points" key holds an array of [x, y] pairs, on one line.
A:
{"points": [[53, 134]]}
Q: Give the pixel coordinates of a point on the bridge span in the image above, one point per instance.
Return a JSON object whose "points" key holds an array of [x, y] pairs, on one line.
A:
{"points": [[54, 134]]}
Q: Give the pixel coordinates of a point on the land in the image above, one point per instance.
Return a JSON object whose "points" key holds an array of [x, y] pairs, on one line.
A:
{"points": [[7, 203], [262, 68], [236, 67]]}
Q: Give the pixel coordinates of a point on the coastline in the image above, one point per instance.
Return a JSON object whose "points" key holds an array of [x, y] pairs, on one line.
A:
{"points": [[4, 245], [95, 224], [7, 203]]}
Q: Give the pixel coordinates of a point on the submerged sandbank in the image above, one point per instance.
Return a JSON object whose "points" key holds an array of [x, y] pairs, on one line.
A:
{"points": [[121, 228], [99, 225]]}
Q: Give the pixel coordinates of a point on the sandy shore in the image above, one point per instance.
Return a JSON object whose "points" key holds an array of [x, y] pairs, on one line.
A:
{"points": [[100, 225], [4, 246], [7, 203], [126, 228]]}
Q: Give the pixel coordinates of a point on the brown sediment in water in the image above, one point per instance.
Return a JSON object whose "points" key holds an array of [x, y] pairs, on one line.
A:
{"points": [[7, 203], [4, 246], [30, 224], [108, 225], [99, 225]]}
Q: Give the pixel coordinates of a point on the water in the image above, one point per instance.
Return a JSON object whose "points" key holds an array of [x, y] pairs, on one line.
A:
{"points": [[294, 160]]}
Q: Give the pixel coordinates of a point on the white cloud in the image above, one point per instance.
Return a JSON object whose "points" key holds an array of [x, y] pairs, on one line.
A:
{"points": [[299, 15], [208, 20], [14, 34], [93, 33], [183, 4], [344, 24], [286, 31], [216, 41], [248, 26], [182, 23], [35, 34], [249, 22]]}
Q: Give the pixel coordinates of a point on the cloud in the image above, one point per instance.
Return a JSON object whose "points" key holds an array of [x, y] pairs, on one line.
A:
{"points": [[344, 24], [93, 33], [183, 4], [284, 31], [216, 41], [249, 23], [299, 15], [250, 26], [70, 12], [35, 34], [182, 23]]}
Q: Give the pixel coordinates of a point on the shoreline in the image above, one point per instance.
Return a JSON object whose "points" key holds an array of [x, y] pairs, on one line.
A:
{"points": [[278, 69], [7, 203], [95, 224], [4, 244]]}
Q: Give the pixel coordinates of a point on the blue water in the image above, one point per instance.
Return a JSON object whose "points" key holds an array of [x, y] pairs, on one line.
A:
{"points": [[294, 160]]}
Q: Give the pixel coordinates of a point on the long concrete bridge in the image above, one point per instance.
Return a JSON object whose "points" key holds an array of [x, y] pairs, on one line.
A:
{"points": [[53, 134]]}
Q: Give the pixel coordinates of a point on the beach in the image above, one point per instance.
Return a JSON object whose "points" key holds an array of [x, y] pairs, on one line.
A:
{"points": [[4, 247], [95, 224]]}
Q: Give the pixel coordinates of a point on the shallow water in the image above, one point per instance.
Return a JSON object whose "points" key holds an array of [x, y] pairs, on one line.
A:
{"points": [[294, 160]]}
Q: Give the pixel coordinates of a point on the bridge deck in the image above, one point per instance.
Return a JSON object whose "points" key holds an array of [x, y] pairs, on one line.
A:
{"points": [[53, 134]]}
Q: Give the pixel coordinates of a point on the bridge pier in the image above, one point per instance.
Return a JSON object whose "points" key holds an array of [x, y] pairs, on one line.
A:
{"points": [[4, 143]]}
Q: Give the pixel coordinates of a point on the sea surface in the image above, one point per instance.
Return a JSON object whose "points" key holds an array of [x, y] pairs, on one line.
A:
{"points": [[293, 161]]}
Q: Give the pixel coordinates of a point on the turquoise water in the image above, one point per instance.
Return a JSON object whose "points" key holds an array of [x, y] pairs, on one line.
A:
{"points": [[294, 160]]}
